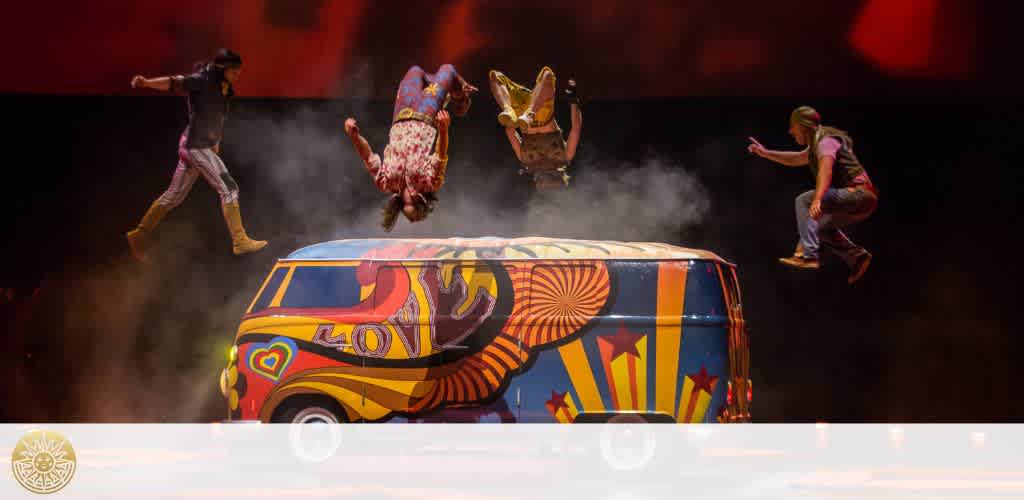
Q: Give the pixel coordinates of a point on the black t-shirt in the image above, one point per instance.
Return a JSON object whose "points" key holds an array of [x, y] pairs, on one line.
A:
{"points": [[207, 108]]}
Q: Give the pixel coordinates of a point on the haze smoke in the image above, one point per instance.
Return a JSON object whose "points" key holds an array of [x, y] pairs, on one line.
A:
{"points": [[325, 192], [150, 341]]}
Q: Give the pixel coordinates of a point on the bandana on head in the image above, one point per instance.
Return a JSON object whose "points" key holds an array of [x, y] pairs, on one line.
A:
{"points": [[806, 116]]}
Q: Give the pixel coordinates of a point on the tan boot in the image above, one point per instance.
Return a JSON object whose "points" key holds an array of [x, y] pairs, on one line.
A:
{"points": [[241, 242], [801, 263], [138, 237], [859, 268], [507, 118]]}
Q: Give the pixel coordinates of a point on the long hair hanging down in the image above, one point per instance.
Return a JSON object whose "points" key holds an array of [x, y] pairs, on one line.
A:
{"points": [[424, 204], [392, 206]]}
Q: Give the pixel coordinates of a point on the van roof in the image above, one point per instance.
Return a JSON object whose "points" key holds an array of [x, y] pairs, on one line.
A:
{"points": [[492, 248]]}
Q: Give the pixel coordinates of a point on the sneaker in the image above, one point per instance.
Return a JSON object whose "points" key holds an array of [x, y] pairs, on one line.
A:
{"points": [[507, 118], [859, 268], [801, 263], [525, 120]]}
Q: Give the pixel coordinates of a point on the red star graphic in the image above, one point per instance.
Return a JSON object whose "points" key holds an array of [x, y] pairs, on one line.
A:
{"points": [[701, 381], [623, 342], [558, 401]]}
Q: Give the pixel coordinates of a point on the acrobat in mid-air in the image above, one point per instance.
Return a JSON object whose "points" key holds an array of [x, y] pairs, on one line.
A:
{"points": [[409, 172], [538, 143], [209, 90], [843, 193]]}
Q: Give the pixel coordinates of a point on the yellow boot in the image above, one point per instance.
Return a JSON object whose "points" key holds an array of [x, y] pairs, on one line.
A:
{"points": [[241, 241], [138, 237]]}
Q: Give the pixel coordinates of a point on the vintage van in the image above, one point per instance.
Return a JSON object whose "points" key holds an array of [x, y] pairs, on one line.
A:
{"points": [[492, 330]]}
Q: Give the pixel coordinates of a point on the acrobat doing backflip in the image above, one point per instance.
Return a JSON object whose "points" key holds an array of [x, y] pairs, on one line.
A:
{"points": [[415, 160]]}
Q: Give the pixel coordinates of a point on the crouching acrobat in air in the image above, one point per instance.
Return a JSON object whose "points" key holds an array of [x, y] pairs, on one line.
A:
{"points": [[538, 144], [843, 193]]}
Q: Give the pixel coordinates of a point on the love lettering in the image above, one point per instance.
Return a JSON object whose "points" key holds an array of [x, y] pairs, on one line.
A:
{"points": [[446, 326]]}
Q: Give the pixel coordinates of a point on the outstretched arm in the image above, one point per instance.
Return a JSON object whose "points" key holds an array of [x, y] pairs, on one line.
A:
{"points": [[577, 119], [173, 83], [574, 134], [361, 145], [158, 83], [787, 158], [443, 121], [513, 139], [441, 149]]}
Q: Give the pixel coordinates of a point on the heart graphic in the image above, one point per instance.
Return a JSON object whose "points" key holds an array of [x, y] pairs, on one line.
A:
{"points": [[271, 359]]}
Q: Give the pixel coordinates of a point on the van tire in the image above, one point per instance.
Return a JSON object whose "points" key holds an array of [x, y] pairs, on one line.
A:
{"points": [[312, 443], [627, 418], [635, 453], [308, 409]]}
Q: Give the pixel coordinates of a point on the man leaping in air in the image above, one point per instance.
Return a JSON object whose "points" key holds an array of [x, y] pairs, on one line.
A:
{"points": [[843, 193], [209, 90]]}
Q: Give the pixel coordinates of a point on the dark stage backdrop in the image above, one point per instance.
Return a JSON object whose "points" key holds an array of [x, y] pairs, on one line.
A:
{"points": [[928, 336], [622, 49]]}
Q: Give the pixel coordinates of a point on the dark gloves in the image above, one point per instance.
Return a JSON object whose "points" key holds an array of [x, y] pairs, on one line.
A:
{"points": [[571, 93]]}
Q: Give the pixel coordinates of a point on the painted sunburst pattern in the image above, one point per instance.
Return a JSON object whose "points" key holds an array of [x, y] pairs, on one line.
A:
{"points": [[562, 299]]}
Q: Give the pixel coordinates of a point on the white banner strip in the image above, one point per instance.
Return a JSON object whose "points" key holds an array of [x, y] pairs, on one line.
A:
{"points": [[480, 461]]}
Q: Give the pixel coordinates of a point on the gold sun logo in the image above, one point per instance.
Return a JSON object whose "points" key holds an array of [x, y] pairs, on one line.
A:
{"points": [[43, 461]]}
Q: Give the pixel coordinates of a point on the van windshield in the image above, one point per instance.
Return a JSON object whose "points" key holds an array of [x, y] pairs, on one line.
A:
{"points": [[263, 301], [322, 286]]}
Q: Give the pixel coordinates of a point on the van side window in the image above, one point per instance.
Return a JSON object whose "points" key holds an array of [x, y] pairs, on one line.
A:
{"points": [[263, 301], [704, 290], [322, 286]]}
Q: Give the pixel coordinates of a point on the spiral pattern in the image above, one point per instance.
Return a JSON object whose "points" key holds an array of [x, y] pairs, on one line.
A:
{"points": [[554, 301]]}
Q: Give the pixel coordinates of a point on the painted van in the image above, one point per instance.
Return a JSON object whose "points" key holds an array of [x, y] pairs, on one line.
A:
{"points": [[492, 330]]}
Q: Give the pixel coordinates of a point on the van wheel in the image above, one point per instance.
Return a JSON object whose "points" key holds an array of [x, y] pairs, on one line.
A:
{"points": [[312, 443], [627, 418], [628, 449], [315, 415], [308, 409]]}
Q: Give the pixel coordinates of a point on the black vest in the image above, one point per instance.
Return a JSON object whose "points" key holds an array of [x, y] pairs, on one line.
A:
{"points": [[847, 170]]}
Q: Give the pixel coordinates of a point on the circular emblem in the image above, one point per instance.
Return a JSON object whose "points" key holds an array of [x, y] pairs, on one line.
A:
{"points": [[43, 461]]}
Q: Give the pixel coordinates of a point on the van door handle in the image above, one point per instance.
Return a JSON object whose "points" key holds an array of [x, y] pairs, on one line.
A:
{"points": [[453, 346]]}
